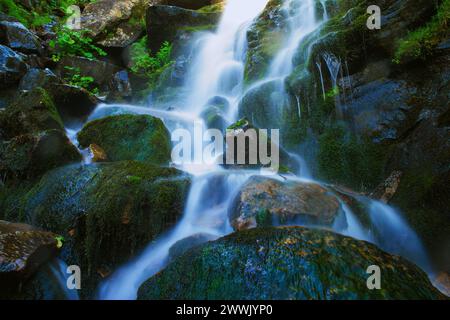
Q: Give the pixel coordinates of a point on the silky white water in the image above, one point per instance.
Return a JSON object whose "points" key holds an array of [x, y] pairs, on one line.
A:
{"points": [[218, 70]]}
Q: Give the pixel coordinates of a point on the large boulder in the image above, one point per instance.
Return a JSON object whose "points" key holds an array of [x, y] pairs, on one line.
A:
{"points": [[12, 67], [17, 37], [115, 23], [264, 202], [106, 212], [289, 264], [35, 78], [129, 137], [29, 155], [102, 72], [23, 249]]}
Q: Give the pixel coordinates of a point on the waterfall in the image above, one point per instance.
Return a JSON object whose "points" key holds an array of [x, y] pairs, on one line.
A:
{"points": [[218, 70], [206, 212]]}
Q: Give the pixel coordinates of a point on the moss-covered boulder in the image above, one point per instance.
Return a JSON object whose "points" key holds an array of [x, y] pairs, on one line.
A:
{"points": [[106, 212], [23, 249], [287, 263], [115, 23], [31, 112], [27, 156], [12, 67], [265, 202], [129, 137]]}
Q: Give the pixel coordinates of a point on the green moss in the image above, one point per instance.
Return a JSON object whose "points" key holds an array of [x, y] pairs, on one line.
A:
{"points": [[286, 263], [106, 212], [213, 8], [420, 43], [129, 137], [345, 159]]}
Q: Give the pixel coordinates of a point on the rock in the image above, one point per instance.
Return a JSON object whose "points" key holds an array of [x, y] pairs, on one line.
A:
{"points": [[120, 87], [238, 132], [19, 38], [12, 67], [31, 112], [265, 37], [115, 23], [214, 113], [30, 155], [107, 212], [442, 282], [183, 245], [188, 4], [265, 202], [72, 103], [38, 78], [102, 72], [129, 137], [385, 191], [263, 105], [98, 154], [286, 264], [174, 24], [22, 250]]}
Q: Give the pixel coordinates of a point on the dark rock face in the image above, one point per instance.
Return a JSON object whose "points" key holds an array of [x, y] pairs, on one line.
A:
{"points": [[174, 24], [23, 250], [38, 78], [106, 212], [17, 37], [266, 202], [29, 155], [188, 4], [32, 111], [72, 102], [129, 137], [286, 263], [12, 67], [101, 71], [180, 247]]}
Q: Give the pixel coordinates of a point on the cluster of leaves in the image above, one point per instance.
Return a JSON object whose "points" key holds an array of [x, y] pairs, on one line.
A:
{"points": [[75, 78], [143, 62], [41, 13], [420, 43], [74, 43]]}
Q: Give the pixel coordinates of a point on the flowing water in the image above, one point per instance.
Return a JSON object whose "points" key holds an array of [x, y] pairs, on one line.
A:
{"points": [[218, 70]]}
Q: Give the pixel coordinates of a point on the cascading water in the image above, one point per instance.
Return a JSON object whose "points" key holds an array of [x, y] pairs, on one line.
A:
{"points": [[218, 70]]}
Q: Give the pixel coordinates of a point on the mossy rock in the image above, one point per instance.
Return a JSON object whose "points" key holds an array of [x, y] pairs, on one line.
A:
{"points": [[106, 212], [30, 155], [265, 37], [287, 263], [129, 137], [266, 202], [31, 112]]}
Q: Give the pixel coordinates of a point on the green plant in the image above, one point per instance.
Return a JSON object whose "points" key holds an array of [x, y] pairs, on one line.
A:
{"points": [[74, 78], [74, 43], [420, 43], [144, 63]]}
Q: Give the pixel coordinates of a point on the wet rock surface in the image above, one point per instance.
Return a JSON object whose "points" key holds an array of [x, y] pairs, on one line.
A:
{"points": [[265, 202], [286, 263]]}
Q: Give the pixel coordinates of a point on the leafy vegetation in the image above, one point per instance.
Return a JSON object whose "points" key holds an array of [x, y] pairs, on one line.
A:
{"points": [[420, 43], [346, 159], [74, 43], [76, 79], [148, 65], [42, 12]]}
